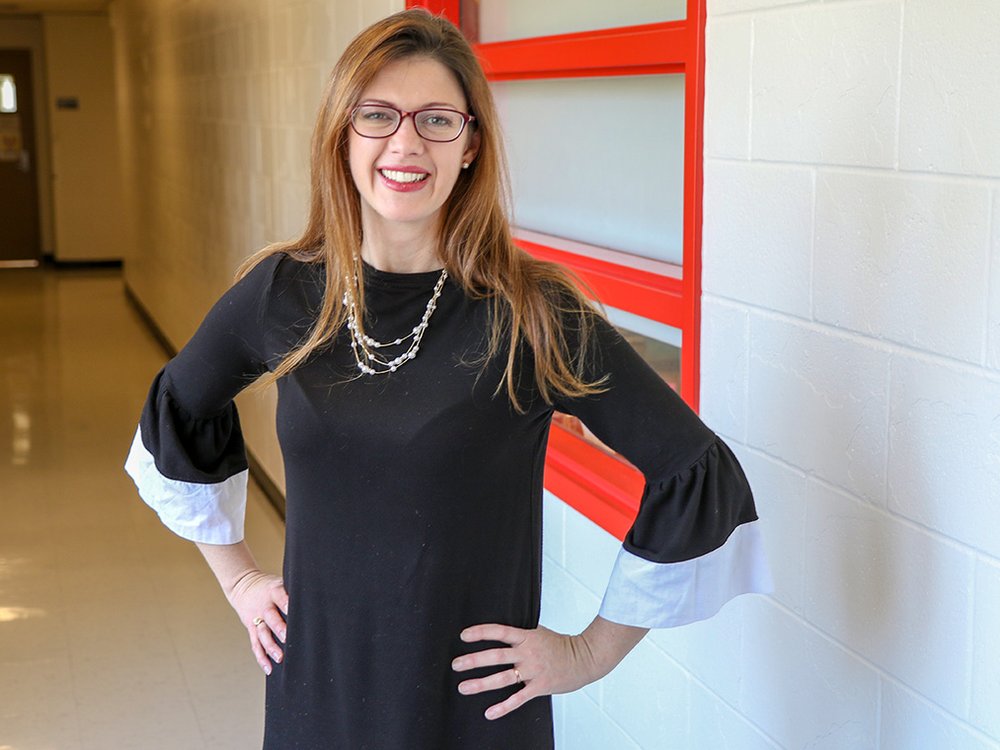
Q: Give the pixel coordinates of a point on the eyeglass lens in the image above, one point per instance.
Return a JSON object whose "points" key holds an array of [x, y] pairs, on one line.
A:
{"points": [[433, 124]]}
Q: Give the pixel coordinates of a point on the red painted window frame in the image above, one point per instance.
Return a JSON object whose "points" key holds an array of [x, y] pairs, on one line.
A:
{"points": [[595, 483]]}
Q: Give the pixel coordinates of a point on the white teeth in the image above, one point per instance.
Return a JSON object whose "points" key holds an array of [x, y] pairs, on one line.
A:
{"points": [[395, 176]]}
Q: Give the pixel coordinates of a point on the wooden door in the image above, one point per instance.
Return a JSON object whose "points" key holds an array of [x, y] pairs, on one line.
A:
{"points": [[19, 225]]}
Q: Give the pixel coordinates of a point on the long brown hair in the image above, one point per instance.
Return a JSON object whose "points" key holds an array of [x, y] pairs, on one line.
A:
{"points": [[532, 302]]}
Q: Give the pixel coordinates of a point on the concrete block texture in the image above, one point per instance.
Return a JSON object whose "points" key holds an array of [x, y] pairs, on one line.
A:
{"points": [[758, 219], [894, 593], [993, 312], [590, 552], [656, 717], [909, 721], [719, 7], [818, 401], [984, 712], [891, 249], [714, 724], [781, 497], [825, 84], [727, 87], [949, 99], [944, 449], [724, 347], [802, 689], [587, 727], [709, 649]]}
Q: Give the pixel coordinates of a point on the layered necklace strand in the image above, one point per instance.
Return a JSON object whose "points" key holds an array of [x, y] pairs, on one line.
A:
{"points": [[370, 360]]}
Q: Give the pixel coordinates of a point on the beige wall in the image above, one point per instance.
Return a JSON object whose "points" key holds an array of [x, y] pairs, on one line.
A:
{"points": [[87, 189], [218, 100], [26, 33]]}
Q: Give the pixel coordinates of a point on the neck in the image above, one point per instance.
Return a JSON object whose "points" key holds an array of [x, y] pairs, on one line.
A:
{"points": [[401, 249]]}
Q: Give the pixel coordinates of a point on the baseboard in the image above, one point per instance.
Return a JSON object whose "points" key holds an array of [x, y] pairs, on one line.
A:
{"points": [[271, 491], [64, 265]]}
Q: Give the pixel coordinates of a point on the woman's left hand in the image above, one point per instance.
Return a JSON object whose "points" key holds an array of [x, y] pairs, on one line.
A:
{"points": [[545, 661]]}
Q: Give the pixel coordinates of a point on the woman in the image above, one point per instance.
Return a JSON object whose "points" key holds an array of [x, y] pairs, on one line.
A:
{"points": [[419, 356]]}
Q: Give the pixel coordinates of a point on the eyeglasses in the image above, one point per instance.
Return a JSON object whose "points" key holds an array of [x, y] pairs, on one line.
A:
{"points": [[382, 120]]}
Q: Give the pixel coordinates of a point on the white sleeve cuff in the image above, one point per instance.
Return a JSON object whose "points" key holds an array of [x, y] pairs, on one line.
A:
{"points": [[208, 513], [664, 595]]}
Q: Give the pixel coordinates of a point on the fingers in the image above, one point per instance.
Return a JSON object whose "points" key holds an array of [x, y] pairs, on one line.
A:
{"points": [[280, 597], [513, 703], [263, 631], [494, 681], [493, 632], [488, 658]]}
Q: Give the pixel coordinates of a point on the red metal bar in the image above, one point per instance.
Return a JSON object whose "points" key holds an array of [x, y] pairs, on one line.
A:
{"points": [[447, 8], [600, 486], [627, 50], [694, 118], [637, 291]]}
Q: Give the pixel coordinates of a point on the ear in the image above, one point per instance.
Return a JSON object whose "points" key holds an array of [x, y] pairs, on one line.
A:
{"points": [[472, 149]]}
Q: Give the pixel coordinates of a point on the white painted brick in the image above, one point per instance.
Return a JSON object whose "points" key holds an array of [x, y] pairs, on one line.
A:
{"points": [[714, 725], [724, 341], [727, 87], [825, 84], [944, 450], [950, 102], [780, 495], [819, 402], [647, 695], [709, 649], [567, 606], [993, 320], [589, 728], [553, 537], [800, 688], [903, 258], [590, 552], [895, 594], [909, 721], [757, 237], [985, 710], [718, 7]]}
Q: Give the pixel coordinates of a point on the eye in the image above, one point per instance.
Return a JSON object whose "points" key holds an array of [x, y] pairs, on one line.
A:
{"points": [[375, 114], [438, 119]]}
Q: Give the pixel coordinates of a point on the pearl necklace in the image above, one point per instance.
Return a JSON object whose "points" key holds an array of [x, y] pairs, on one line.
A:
{"points": [[371, 362]]}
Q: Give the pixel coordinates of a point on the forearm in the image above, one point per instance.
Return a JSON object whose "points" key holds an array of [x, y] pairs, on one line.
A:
{"points": [[231, 563], [606, 643]]}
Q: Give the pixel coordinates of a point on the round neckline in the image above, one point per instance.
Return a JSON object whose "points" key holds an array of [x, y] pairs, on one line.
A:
{"points": [[418, 280]]}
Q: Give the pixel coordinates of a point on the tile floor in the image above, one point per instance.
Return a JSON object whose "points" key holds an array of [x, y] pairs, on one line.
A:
{"points": [[113, 632]]}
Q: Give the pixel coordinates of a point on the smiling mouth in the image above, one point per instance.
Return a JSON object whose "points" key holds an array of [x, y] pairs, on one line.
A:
{"points": [[403, 177]]}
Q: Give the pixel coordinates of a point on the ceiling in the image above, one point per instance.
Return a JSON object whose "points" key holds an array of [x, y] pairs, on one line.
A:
{"points": [[23, 7]]}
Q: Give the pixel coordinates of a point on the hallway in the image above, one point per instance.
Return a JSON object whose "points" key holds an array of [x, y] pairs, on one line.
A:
{"points": [[113, 632]]}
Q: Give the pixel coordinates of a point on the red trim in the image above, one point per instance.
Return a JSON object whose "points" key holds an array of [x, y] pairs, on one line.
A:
{"points": [[694, 119], [600, 486], [637, 291], [627, 50], [447, 8]]}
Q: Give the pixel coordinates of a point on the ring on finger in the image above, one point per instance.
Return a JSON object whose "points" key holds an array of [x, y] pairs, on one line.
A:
{"points": [[517, 676], [258, 621]]}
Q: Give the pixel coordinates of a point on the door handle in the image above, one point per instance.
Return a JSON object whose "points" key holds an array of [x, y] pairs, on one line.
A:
{"points": [[24, 161]]}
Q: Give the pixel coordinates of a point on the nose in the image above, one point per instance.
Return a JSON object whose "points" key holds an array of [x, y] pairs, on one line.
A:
{"points": [[406, 138]]}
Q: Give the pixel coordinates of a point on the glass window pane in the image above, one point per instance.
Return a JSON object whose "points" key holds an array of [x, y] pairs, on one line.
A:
{"points": [[599, 160], [8, 93], [657, 343], [516, 19]]}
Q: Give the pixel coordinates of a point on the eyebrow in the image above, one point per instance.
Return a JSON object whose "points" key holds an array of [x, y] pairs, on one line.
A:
{"points": [[446, 105]]}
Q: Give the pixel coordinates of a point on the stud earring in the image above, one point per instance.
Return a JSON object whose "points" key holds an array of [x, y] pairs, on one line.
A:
{"points": [[465, 165]]}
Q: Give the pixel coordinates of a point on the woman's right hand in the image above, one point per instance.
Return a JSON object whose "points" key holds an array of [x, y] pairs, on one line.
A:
{"points": [[261, 602]]}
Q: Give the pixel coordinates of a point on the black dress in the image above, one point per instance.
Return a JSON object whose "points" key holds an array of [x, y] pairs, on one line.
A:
{"points": [[414, 505]]}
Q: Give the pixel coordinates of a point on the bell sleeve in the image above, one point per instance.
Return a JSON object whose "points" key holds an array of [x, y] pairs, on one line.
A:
{"points": [[187, 458], [695, 542]]}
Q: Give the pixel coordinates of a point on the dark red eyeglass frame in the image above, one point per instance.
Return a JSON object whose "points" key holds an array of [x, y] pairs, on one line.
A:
{"points": [[403, 114]]}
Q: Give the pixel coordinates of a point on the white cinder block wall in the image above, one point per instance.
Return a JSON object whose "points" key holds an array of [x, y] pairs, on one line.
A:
{"points": [[851, 356], [218, 103]]}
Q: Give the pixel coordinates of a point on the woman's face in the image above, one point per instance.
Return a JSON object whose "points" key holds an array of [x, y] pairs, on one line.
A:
{"points": [[409, 84]]}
